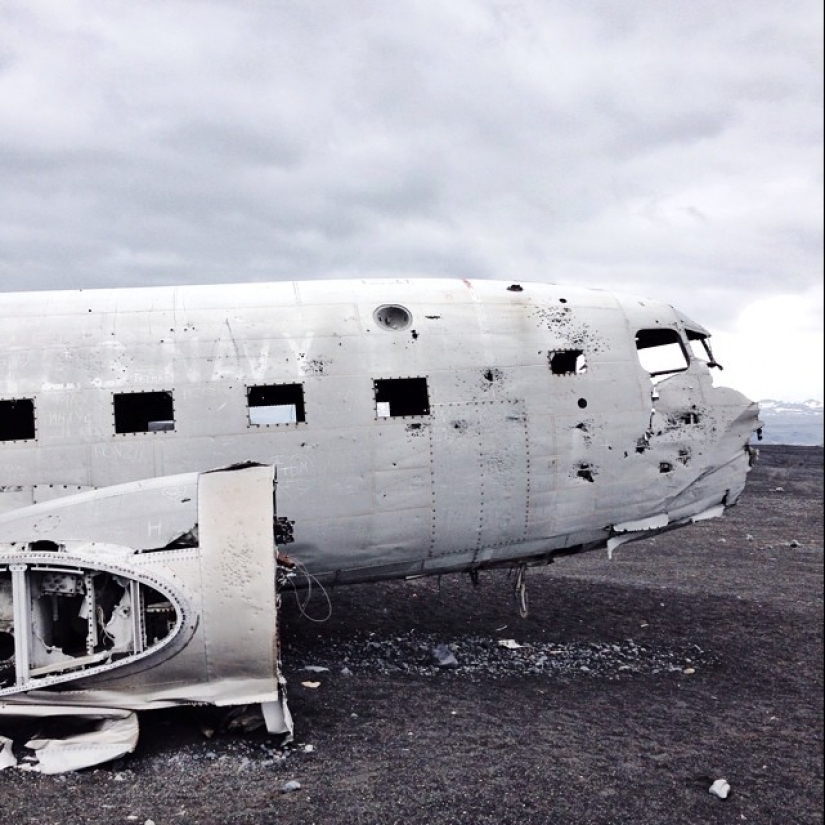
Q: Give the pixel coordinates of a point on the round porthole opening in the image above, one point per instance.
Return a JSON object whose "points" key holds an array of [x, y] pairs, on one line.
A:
{"points": [[392, 316]]}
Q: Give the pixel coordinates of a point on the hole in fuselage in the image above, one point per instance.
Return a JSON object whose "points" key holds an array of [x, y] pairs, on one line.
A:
{"points": [[6, 645]]}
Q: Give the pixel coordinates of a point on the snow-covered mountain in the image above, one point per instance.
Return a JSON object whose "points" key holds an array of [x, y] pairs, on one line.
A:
{"points": [[788, 422]]}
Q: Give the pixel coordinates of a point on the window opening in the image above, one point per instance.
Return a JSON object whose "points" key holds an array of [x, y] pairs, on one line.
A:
{"points": [[144, 412], [661, 351], [567, 361], [17, 419], [700, 347], [271, 404], [77, 619], [393, 317], [398, 397]]}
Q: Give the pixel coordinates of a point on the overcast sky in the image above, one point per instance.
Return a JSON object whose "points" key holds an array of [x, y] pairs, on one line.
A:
{"points": [[672, 149]]}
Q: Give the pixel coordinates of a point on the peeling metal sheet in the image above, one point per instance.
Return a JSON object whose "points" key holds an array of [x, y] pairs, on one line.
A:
{"points": [[656, 522], [114, 736], [711, 512], [7, 758]]}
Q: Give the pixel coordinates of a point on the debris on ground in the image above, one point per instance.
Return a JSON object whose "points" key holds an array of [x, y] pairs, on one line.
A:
{"points": [[720, 788], [444, 657]]}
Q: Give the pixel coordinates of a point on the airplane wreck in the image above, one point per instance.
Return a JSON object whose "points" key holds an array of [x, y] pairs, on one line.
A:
{"points": [[415, 427], [130, 612]]}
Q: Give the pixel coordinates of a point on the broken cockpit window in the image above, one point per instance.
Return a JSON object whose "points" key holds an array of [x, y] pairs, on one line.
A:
{"points": [[700, 347], [271, 404], [17, 419], [567, 361], [144, 412], [398, 397], [661, 351]]}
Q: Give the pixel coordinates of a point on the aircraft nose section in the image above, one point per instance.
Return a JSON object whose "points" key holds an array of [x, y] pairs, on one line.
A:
{"points": [[746, 421], [720, 444], [737, 419]]}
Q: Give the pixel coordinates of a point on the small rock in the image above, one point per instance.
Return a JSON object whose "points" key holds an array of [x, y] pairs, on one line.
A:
{"points": [[290, 786], [443, 657], [779, 489], [794, 543], [749, 537], [689, 670], [510, 644], [345, 671], [312, 685], [720, 788]]}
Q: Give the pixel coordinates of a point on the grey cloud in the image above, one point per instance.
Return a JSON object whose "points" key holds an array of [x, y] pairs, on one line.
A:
{"points": [[645, 147]]}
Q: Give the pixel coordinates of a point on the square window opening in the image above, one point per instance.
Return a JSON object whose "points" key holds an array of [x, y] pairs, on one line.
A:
{"points": [[567, 362], [272, 404], [144, 412], [400, 397], [17, 419]]}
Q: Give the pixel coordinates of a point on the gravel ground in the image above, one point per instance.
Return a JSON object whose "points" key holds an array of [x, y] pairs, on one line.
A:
{"points": [[632, 685]]}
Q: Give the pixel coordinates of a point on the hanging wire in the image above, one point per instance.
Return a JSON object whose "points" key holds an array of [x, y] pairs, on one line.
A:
{"points": [[302, 603]]}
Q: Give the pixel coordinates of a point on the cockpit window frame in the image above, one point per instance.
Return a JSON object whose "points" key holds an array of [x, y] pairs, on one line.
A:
{"points": [[649, 338], [704, 341]]}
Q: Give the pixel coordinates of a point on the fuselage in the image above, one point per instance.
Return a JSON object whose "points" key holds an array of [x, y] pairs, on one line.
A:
{"points": [[416, 426]]}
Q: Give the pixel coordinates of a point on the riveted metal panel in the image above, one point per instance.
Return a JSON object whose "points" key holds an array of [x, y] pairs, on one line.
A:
{"points": [[481, 471]]}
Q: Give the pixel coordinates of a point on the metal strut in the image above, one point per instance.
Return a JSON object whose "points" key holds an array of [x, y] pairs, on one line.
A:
{"points": [[520, 591]]}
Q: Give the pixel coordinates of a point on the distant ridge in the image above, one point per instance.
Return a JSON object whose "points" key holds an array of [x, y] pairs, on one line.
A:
{"points": [[789, 422]]}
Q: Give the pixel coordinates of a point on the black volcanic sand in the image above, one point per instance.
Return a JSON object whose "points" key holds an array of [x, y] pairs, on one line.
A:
{"points": [[688, 657]]}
